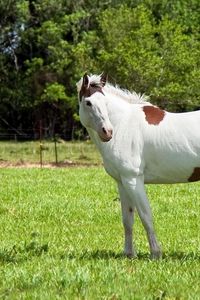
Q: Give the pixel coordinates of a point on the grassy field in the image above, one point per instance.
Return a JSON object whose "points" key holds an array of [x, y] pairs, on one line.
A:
{"points": [[12, 152], [61, 238]]}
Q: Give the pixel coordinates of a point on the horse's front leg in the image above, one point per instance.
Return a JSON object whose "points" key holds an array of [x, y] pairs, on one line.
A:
{"points": [[136, 191], [127, 219]]}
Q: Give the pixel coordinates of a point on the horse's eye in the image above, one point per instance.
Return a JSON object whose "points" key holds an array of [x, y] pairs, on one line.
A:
{"points": [[93, 85], [88, 103]]}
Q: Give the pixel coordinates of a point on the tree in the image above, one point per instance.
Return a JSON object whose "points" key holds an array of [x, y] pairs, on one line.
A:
{"points": [[150, 46], [158, 58]]}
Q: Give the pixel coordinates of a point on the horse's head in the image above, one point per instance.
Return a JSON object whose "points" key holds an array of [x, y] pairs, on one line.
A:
{"points": [[92, 106]]}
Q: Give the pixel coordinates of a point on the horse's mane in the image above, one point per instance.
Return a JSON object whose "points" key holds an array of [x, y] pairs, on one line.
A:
{"points": [[130, 97]]}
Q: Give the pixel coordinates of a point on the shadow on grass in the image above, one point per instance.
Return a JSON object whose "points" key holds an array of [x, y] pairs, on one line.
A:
{"points": [[108, 255], [181, 256], [23, 252], [93, 255], [102, 255]]}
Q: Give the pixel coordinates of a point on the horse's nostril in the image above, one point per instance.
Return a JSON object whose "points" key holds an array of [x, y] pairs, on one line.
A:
{"points": [[107, 132], [104, 130]]}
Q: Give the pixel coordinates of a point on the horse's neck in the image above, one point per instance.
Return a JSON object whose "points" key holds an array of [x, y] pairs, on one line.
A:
{"points": [[117, 109]]}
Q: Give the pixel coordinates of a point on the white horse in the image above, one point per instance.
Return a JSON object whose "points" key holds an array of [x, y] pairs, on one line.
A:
{"points": [[139, 143]]}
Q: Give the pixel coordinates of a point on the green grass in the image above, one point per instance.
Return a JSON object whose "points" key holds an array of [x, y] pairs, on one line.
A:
{"points": [[29, 152], [62, 238]]}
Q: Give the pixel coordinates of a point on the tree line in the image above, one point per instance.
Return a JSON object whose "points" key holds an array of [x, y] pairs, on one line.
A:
{"points": [[149, 46]]}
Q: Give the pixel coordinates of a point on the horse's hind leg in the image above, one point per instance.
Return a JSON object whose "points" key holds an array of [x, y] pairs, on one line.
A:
{"points": [[127, 219], [135, 189]]}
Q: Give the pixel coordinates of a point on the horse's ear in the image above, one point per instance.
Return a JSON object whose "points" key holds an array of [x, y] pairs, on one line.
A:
{"points": [[103, 79], [85, 81]]}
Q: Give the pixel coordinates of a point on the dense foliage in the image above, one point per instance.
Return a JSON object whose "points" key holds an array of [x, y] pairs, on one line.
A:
{"points": [[150, 46]]}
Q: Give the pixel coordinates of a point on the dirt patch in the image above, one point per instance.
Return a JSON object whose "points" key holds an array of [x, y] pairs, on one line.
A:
{"points": [[65, 164]]}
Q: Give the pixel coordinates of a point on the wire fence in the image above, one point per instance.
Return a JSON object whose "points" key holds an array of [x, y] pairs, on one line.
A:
{"points": [[15, 150]]}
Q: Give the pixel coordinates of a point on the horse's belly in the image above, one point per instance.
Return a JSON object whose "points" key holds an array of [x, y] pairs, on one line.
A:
{"points": [[173, 174], [177, 161]]}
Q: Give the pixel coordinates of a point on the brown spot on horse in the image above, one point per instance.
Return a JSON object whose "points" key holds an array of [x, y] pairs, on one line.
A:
{"points": [[154, 115], [195, 175]]}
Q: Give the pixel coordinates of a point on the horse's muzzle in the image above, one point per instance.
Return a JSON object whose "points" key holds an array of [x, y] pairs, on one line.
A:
{"points": [[105, 139], [106, 134]]}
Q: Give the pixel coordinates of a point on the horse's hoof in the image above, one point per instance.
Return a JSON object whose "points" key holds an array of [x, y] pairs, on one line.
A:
{"points": [[156, 255], [131, 255]]}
